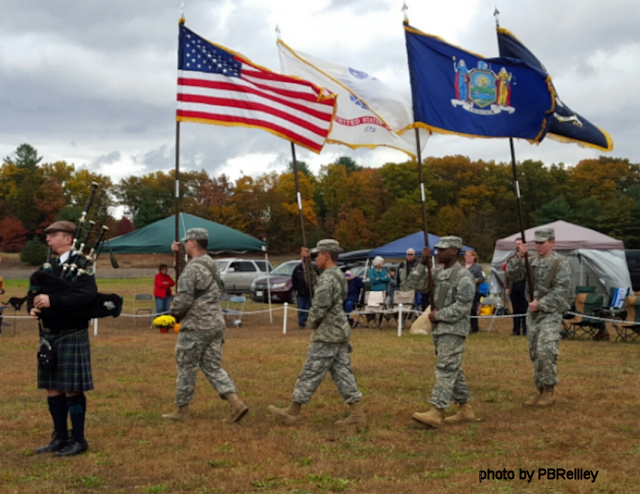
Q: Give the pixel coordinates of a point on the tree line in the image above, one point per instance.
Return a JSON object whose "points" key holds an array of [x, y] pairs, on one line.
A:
{"points": [[360, 206]]}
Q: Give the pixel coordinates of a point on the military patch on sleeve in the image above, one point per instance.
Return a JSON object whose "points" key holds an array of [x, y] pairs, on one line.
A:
{"points": [[466, 291]]}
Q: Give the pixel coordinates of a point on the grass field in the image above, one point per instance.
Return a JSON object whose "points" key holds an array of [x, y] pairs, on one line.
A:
{"points": [[594, 425]]}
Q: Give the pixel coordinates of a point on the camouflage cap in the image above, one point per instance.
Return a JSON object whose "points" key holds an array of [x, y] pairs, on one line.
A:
{"points": [[196, 234], [449, 242], [61, 226], [544, 234], [327, 245]]}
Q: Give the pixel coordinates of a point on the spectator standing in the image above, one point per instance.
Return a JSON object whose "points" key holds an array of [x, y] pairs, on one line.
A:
{"points": [[355, 285], [515, 290], [392, 286], [303, 295], [405, 268], [162, 289], [471, 264]]}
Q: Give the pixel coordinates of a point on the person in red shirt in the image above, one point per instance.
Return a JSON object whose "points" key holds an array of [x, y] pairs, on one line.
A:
{"points": [[162, 289]]}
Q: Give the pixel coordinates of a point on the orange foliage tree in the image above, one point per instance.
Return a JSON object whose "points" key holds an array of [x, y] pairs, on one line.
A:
{"points": [[13, 234]]}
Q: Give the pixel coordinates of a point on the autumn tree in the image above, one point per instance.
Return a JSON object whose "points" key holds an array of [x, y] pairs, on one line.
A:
{"points": [[352, 231], [13, 234], [49, 201], [302, 168], [349, 164], [147, 199], [23, 179], [557, 209], [124, 226]]}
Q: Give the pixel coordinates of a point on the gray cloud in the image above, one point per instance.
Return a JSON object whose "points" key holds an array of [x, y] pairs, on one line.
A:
{"points": [[99, 78], [106, 159]]}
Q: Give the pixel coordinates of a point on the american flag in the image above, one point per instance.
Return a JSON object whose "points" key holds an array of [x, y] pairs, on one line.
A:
{"points": [[217, 86]]}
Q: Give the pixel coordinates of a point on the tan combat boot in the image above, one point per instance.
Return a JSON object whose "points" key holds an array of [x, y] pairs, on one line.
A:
{"points": [[180, 413], [433, 418], [287, 415], [534, 401], [357, 417], [237, 409], [547, 399], [465, 414]]}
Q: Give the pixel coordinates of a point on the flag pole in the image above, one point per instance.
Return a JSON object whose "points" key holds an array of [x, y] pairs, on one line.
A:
{"points": [[424, 215], [516, 183], [299, 199], [518, 200], [176, 258], [425, 225]]}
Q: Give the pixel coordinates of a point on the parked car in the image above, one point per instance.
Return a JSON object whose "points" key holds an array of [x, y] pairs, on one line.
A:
{"points": [[633, 263], [238, 274], [281, 286]]}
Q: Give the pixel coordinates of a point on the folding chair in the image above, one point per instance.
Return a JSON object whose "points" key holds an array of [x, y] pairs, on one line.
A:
{"points": [[143, 298], [496, 305], [234, 308], [373, 302], [585, 289], [630, 331], [587, 304], [407, 299]]}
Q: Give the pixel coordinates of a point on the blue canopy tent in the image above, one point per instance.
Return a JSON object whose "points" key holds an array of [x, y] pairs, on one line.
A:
{"points": [[398, 248]]}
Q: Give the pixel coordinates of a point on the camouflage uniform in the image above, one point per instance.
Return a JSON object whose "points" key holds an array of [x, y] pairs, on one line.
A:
{"points": [[329, 348], [451, 327], [202, 327], [543, 332]]}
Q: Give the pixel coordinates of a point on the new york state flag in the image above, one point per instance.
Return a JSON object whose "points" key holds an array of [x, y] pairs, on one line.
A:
{"points": [[455, 91]]}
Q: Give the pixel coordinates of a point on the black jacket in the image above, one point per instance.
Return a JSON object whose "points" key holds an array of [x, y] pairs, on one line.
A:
{"points": [[65, 298], [297, 280]]}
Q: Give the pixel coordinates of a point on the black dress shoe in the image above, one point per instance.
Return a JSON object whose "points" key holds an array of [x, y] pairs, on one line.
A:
{"points": [[74, 448], [55, 445]]}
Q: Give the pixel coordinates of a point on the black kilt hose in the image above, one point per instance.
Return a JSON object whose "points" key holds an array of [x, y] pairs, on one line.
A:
{"points": [[73, 372]]}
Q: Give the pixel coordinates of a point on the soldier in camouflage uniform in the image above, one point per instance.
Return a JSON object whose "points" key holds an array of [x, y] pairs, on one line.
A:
{"points": [[329, 348], [202, 327], [552, 286], [454, 289]]}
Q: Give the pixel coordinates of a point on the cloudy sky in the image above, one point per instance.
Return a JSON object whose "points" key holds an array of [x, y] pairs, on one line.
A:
{"points": [[94, 83]]}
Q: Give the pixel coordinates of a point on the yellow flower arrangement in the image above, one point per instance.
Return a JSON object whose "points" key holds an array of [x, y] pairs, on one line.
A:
{"points": [[164, 322]]}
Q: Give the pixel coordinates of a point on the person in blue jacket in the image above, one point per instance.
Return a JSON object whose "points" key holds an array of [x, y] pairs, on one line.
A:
{"points": [[355, 285]]}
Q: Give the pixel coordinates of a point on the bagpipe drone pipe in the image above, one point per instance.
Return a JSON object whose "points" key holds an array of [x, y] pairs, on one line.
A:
{"points": [[48, 280]]}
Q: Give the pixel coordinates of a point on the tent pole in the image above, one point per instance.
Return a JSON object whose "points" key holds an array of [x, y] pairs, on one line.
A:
{"points": [[177, 200], [524, 240], [581, 269], [299, 198], [424, 215]]}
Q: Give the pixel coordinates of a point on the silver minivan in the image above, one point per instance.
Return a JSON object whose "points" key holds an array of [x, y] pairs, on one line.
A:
{"points": [[238, 274]]}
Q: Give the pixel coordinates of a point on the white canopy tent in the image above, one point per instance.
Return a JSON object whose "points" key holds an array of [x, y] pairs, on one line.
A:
{"points": [[596, 259]]}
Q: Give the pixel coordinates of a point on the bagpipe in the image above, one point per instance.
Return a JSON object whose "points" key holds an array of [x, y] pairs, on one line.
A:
{"points": [[80, 263]]}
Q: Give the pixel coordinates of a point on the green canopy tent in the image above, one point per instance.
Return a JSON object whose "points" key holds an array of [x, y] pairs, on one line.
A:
{"points": [[156, 238]]}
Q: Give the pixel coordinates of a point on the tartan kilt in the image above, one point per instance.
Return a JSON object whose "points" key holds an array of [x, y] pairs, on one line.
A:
{"points": [[73, 373]]}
